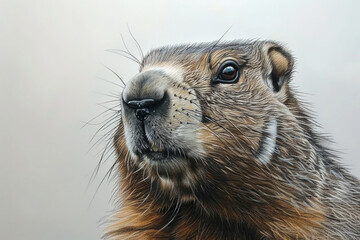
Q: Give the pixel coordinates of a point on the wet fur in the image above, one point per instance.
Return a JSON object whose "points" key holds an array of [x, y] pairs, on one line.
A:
{"points": [[301, 193]]}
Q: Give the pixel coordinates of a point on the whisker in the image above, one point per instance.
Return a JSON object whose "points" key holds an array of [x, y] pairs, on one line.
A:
{"points": [[115, 115], [123, 54], [122, 38], [137, 43], [97, 116], [114, 108], [216, 43], [108, 81], [104, 137], [104, 152], [117, 75], [112, 95], [101, 182]]}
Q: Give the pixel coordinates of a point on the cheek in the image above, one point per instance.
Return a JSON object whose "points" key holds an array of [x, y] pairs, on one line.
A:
{"points": [[237, 128], [228, 142], [183, 109]]}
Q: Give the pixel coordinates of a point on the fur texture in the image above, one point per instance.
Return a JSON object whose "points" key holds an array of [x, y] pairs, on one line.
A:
{"points": [[226, 161]]}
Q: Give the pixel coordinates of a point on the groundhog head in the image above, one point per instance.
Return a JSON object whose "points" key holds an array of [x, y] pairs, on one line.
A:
{"points": [[216, 124]]}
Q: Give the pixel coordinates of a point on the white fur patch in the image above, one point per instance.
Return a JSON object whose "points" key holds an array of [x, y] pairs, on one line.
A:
{"points": [[175, 72], [268, 142]]}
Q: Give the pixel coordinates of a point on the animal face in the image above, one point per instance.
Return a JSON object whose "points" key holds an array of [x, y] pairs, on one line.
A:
{"points": [[208, 111]]}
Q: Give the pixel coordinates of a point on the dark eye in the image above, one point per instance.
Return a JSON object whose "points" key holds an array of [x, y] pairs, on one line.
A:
{"points": [[228, 72]]}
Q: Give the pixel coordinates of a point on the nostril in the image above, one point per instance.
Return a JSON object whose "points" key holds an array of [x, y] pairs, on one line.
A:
{"points": [[142, 113]]}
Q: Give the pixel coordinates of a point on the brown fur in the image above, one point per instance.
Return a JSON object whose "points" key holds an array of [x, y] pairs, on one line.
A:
{"points": [[222, 191]]}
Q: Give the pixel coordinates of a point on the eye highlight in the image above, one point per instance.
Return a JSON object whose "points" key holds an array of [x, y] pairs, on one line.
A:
{"points": [[228, 72]]}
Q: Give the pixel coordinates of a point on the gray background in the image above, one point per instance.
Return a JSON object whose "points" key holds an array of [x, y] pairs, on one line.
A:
{"points": [[51, 53]]}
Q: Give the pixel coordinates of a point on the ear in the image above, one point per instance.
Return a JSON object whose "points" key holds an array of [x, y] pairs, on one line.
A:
{"points": [[278, 65]]}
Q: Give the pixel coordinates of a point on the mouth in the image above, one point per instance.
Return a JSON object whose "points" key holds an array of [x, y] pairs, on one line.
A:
{"points": [[159, 154]]}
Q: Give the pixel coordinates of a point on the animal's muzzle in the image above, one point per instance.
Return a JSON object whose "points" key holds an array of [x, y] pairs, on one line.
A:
{"points": [[145, 95]]}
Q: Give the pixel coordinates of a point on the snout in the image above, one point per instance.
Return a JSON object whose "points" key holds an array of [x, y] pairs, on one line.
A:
{"points": [[146, 95], [158, 116]]}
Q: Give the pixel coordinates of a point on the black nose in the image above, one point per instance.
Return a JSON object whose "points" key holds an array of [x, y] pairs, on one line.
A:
{"points": [[142, 106], [142, 103]]}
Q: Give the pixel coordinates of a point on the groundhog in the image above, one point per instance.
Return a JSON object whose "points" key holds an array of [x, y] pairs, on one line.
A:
{"points": [[213, 143]]}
